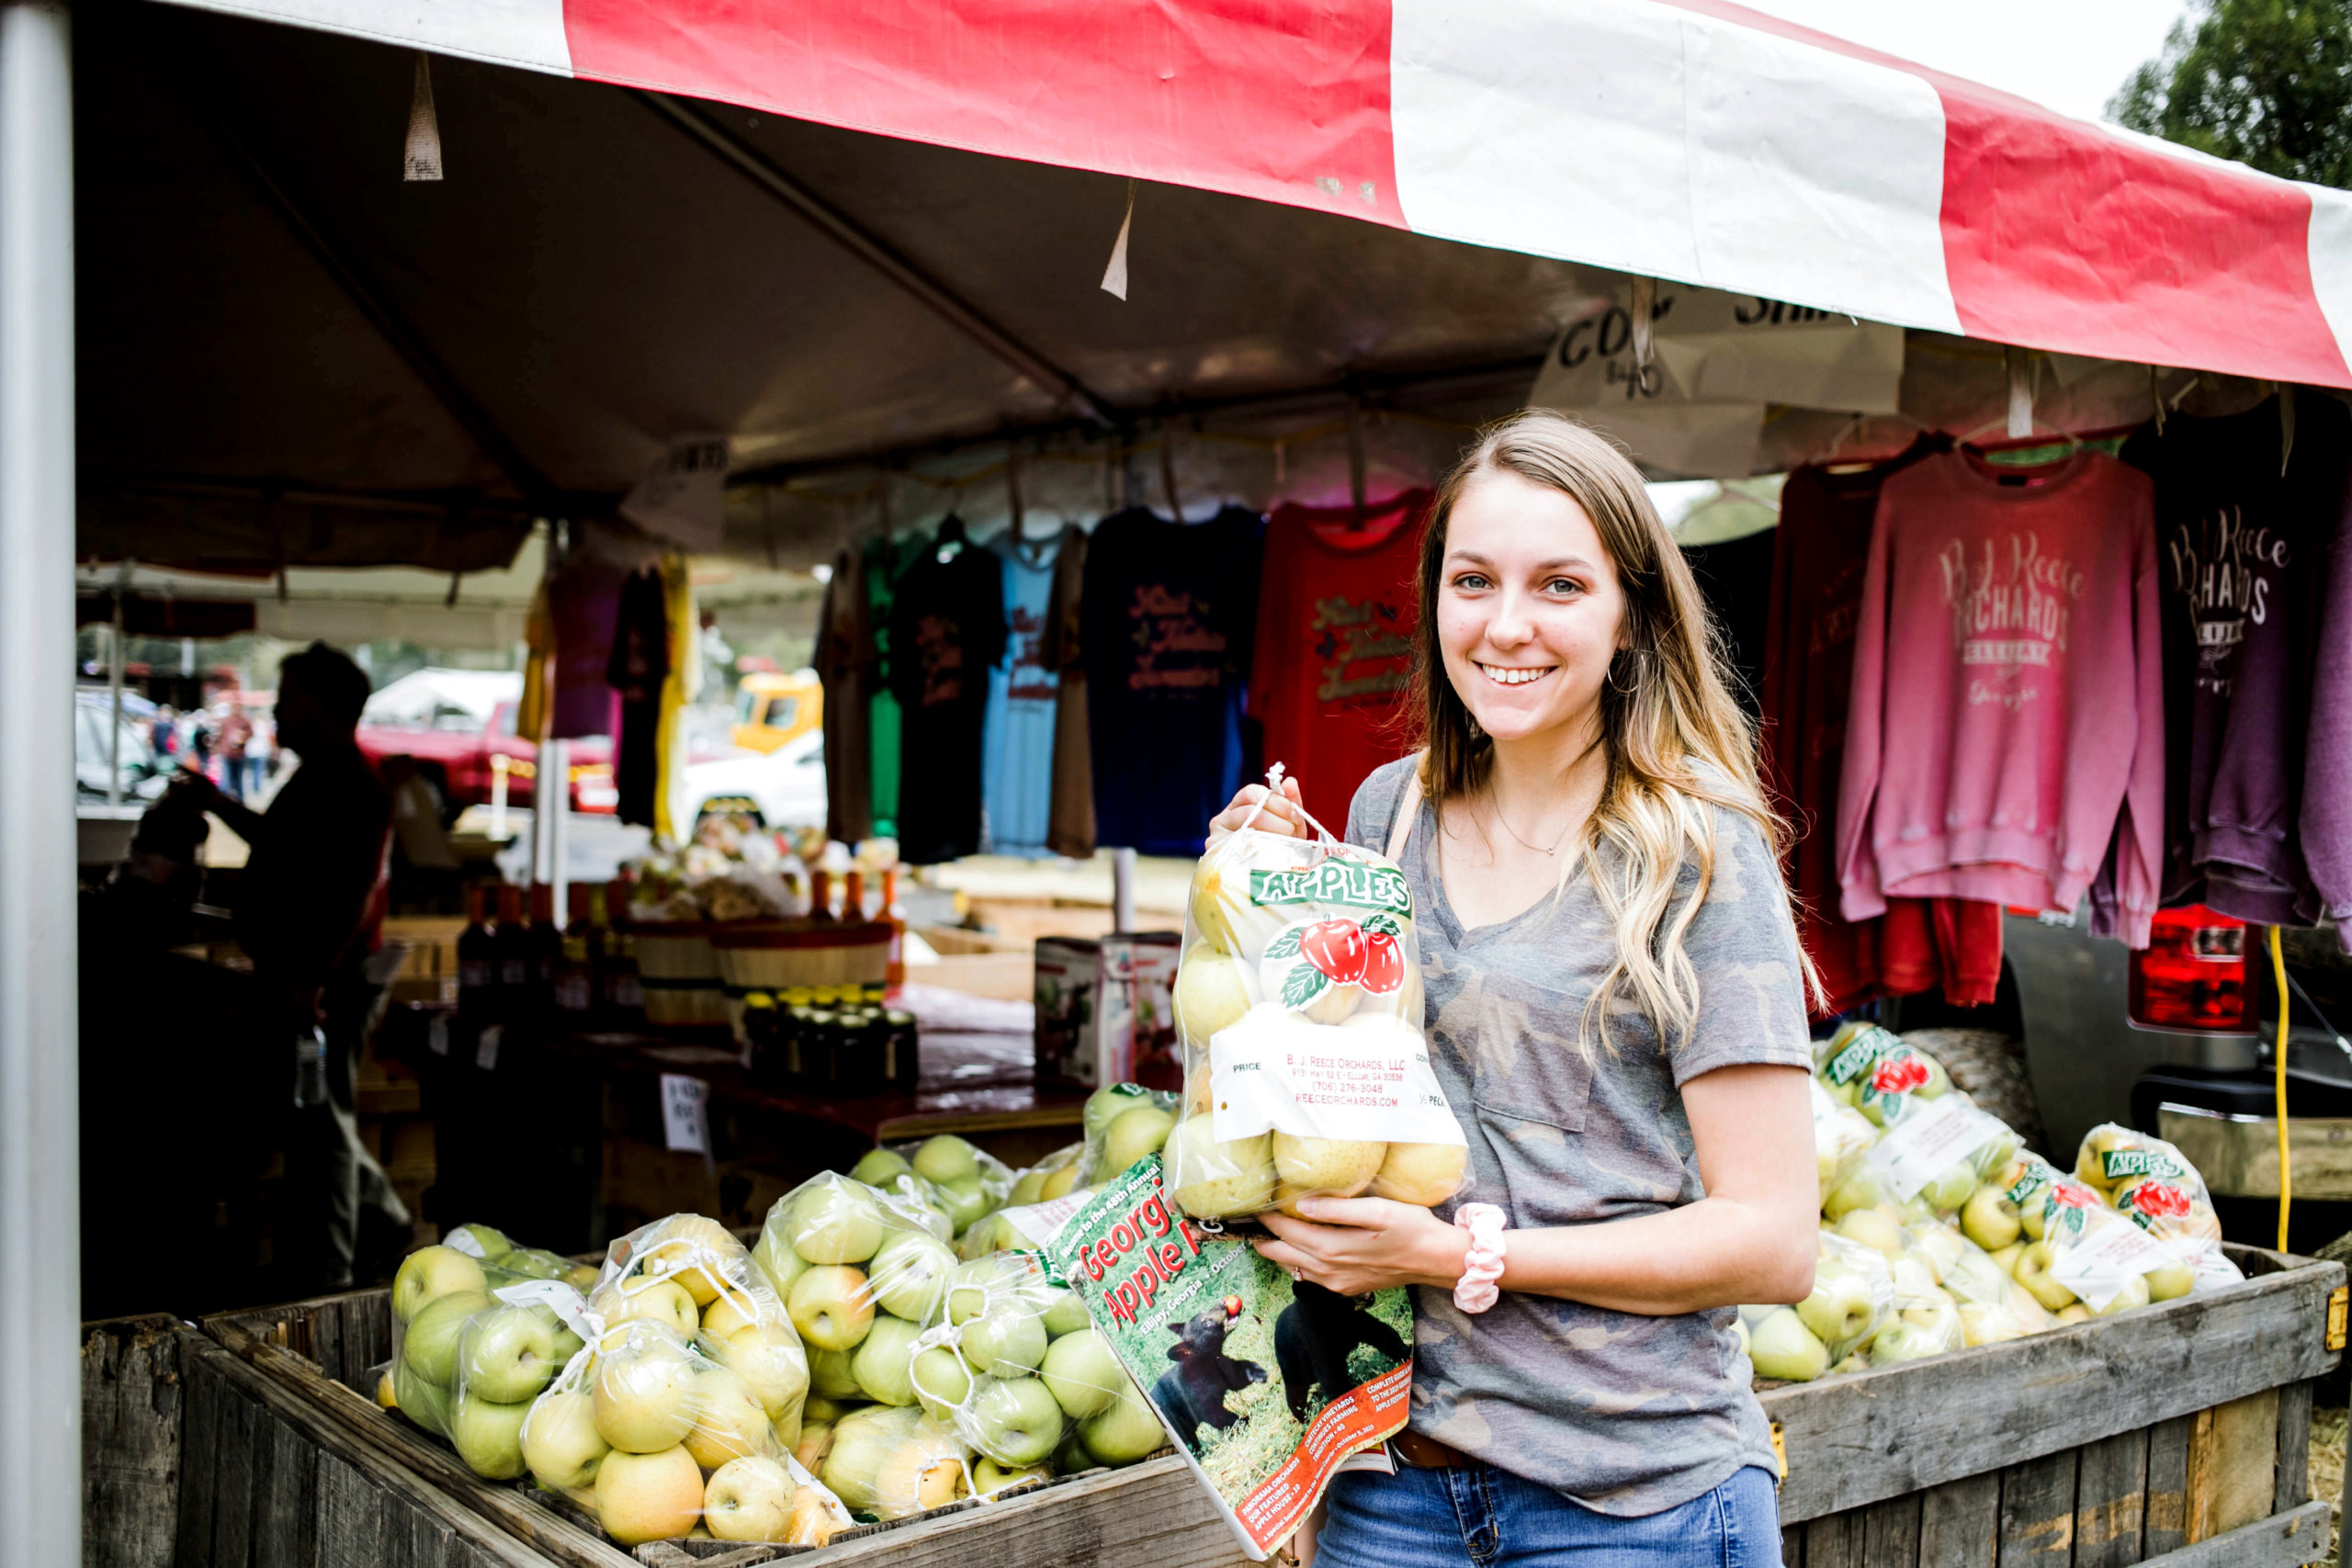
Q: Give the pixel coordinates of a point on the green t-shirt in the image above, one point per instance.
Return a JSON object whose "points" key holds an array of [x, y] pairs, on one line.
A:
{"points": [[886, 560]]}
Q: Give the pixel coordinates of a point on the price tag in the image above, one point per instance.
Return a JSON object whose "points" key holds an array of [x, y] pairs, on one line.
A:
{"points": [[1933, 1138], [436, 1034], [486, 1048], [2097, 1266], [1040, 1222], [685, 1113]]}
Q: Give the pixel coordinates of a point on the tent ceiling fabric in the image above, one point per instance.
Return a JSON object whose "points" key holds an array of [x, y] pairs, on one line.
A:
{"points": [[1689, 140], [598, 283]]}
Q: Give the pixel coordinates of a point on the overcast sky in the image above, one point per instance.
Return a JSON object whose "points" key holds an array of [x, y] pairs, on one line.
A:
{"points": [[2069, 54]]}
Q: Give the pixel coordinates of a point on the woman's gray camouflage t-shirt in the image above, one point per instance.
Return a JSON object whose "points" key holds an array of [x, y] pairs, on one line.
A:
{"points": [[1627, 1414]]}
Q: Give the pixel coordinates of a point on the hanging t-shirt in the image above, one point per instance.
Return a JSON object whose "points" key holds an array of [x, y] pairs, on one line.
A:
{"points": [[583, 597], [2008, 713], [2242, 552], [1017, 759], [844, 663], [1170, 608], [637, 670], [1070, 827], [1735, 576], [946, 630], [1334, 649], [885, 559]]}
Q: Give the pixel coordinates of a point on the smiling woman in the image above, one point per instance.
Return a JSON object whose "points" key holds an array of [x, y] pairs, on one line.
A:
{"points": [[1616, 996]]}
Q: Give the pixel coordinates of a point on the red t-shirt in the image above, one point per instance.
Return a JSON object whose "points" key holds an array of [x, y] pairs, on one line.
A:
{"points": [[1336, 611]]}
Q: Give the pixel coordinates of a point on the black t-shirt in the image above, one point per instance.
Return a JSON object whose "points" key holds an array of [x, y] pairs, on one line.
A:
{"points": [[946, 630], [1168, 613], [2242, 558], [1736, 577]]}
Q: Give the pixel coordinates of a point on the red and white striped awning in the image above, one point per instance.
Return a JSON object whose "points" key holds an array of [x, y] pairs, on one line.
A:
{"points": [[1689, 140]]}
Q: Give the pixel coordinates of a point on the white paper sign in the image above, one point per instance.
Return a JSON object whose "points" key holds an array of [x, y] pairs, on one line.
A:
{"points": [[2097, 1266], [486, 1048], [565, 1301], [1372, 1082], [1933, 1138], [682, 496], [1040, 1222], [685, 1113]]}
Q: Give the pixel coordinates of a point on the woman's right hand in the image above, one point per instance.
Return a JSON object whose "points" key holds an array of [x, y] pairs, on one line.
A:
{"points": [[1284, 814]]}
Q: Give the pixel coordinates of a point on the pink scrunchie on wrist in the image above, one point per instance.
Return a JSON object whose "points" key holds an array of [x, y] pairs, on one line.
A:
{"points": [[1482, 1265]]}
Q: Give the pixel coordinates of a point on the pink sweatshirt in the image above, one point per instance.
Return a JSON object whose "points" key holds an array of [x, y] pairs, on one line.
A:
{"points": [[2008, 715]]}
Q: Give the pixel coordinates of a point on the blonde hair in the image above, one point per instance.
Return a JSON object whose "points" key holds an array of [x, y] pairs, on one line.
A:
{"points": [[1678, 746]]}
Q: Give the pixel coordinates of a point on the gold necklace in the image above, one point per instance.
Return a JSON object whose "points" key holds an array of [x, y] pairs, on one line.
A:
{"points": [[1522, 842]]}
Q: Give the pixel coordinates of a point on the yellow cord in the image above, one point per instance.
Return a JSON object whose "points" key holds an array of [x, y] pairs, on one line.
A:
{"points": [[2286, 1173]]}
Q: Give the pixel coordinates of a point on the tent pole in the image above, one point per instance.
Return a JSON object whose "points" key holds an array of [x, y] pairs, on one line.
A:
{"points": [[40, 1398], [1123, 890]]}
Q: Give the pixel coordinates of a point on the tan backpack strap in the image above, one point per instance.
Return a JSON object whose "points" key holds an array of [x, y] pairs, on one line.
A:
{"points": [[1409, 811]]}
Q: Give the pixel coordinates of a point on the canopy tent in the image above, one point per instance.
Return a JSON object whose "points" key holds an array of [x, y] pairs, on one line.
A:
{"points": [[326, 364]]}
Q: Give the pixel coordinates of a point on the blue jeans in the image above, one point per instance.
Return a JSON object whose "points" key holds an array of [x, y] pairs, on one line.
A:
{"points": [[1488, 1517]]}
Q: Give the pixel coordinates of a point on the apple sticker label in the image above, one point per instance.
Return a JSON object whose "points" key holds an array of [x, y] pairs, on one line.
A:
{"points": [[685, 1114], [566, 1303], [2098, 1266], [436, 1034], [1369, 1079], [486, 1048], [1040, 1222], [465, 1241], [1929, 1140]]}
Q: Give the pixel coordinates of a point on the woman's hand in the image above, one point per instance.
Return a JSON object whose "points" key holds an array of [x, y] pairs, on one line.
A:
{"points": [[1284, 815], [1355, 1244]]}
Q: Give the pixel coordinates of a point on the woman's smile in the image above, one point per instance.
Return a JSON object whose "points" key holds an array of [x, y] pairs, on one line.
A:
{"points": [[1508, 675]]}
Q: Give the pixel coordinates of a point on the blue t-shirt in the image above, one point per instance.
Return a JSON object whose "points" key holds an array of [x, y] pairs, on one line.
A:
{"points": [[1169, 613], [1017, 770]]}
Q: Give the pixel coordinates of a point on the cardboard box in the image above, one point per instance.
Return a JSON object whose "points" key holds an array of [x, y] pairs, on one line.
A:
{"points": [[1105, 1014]]}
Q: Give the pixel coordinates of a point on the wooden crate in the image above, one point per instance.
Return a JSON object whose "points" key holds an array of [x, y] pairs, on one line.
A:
{"points": [[2174, 1436], [320, 1352]]}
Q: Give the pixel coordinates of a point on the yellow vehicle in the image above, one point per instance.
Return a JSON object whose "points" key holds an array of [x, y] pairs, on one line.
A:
{"points": [[772, 709]]}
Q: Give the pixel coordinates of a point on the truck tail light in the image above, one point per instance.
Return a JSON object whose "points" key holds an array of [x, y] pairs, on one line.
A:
{"points": [[2192, 976]]}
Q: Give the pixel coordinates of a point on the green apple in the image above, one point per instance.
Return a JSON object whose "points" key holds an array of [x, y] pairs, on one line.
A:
{"points": [[881, 1362], [1015, 1421], [1952, 1186], [645, 1390], [748, 1498], [1059, 1184], [1007, 1340], [989, 1478], [2006, 1257], [1861, 1187], [493, 1243], [1916, 1335], [508, 1353], [1914, 1280], [430, 1344], [533, 1264], [946, 1158], [1211, 1181], [1213, 990], [820, 1407], [1937, 1246], [831, 1377], [965, 1199], [1065, 1313], [2167, 1283], [910, 1274], [2033, 1273], [1840, 1308], [1128, 1431], [1782, 1346], [666, 1301], [561, 1445], [1139, 1131], [940, 1381], [419, 1398], [1072, 1458], [832, 1306], [775, 1260], [428, 1274], [1027, 1188], [830, 1219], [488, 1436], [994, 1233], [1107, 1104], [770, 1359], [1082, 1374], [1974, 1277], [1873, 1229], [880, 1168], [863, 1440], [1989, 1219], [971, 1288], [2135, 1294]]}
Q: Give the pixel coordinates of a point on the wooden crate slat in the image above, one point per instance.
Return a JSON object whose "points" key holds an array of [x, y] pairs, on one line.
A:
{"points": [[1835, 1542], [200, 1400], [2294, 1485], [286, 1515], [351, 1514], [132, 1406], [1793, 1546], [1154, 1512], [1960, 1522], [2038, 1512], [2282, 1540], [2110, 1492], [1891, 1533], [240, 1428], [1878, 1434], [2163, 1520], [2230, 1461]]}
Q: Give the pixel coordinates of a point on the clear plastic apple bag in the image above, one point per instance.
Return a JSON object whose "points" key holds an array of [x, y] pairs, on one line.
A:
{"points": [[1298, 998], [2153, 1184], [1932, 1144], [2082, 1258], [1012, 1364], [960, 1180]]}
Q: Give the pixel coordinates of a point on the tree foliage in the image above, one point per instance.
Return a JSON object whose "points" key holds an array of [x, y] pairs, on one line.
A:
{"points": [[2266, 82]]}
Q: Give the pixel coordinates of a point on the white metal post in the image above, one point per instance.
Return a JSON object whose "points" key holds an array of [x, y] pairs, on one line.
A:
{"points": [[1123, 890], [114, 701], [41, 1273], [554, 797]]}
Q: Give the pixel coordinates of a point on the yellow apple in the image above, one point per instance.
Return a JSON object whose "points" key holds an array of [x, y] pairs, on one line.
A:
{"points": [[1214, 1181], [1213, 990], [749, 1499], [664, 1302], [730, 1422], [650, 1496], [644, 1393], [1331, 1167], [428, 1274], [489, 1437], [561, 1443], [1421, 1174], [2033, 1273], [769, 1358], [692, 1249], [1990, 1220], [1137, 1132], [832, 1306]]}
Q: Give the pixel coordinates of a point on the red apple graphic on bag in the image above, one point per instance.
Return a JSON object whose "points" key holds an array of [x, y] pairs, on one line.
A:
{"points": [[1336, 948]]}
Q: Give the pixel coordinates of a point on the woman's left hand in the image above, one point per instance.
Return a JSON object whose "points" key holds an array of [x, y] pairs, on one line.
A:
{"points": [[1353, 1245]]}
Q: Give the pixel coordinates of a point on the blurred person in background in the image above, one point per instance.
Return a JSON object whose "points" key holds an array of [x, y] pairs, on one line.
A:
{"points": [[260, 750], [236, 732], [164, 733]]}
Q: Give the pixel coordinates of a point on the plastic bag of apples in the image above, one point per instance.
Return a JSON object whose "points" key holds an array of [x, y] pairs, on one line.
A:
{"points": [[1298, 998]]}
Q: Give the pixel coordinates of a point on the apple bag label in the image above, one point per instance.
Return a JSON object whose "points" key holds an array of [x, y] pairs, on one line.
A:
{"points": [[1368, 1081], [566, 1303], [1927, 1142], [2098, 1266], [685, 1114], [1040, 1222], [465, 1241]]}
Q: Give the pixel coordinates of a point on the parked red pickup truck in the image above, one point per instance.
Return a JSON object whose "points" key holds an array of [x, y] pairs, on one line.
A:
{"points": [[454, 721]]}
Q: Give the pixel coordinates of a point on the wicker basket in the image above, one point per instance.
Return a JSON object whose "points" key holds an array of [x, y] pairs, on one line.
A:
{"points": [[775, 955], [677, 966]]}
